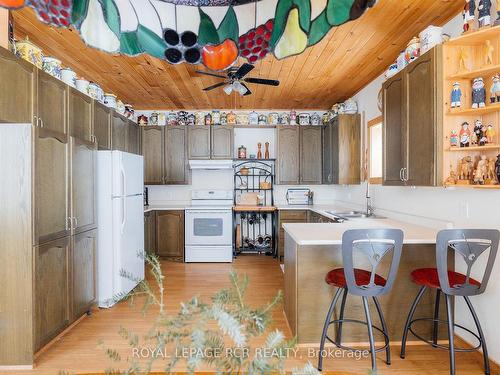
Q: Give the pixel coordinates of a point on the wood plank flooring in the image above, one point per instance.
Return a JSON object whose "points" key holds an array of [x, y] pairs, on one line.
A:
{"points": [[78, 351]]}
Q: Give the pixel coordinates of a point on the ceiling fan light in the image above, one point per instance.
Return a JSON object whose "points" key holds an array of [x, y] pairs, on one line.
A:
{"points": [[240, 88], [228, 89]]}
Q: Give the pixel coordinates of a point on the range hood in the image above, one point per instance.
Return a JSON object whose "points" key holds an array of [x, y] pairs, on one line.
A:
{"points": [[211, 164]]}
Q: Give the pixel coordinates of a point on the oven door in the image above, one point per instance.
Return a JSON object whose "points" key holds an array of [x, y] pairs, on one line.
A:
{"points": [[209, 227]]}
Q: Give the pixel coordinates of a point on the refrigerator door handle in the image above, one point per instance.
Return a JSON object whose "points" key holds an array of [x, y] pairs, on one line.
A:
{"points": [[124, 213], [122, 171]]}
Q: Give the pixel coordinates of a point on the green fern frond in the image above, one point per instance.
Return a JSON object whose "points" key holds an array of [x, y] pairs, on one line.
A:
{"points": [[275, 339], [229, 325]]}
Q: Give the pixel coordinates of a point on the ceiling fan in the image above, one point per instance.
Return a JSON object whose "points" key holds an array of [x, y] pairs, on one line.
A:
{"points": [[235, 81]]}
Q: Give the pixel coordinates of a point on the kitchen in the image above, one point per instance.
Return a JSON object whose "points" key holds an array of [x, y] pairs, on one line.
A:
{"points": [[265, 184]]}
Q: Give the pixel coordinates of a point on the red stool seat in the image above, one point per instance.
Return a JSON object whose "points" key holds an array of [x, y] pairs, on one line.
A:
{"points": [[429, 277], [336, 278]]}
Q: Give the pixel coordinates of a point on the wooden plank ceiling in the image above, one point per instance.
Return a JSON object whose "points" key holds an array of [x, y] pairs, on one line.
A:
{"points": [[347, 59]]}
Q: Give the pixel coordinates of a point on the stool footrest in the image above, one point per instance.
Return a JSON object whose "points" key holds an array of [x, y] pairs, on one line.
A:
{"points": [[344, 321], [445, 347]]}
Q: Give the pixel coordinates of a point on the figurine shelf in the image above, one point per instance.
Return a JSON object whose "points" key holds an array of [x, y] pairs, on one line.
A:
{"points": [[474, 148], [487, 71], [475, 111]]}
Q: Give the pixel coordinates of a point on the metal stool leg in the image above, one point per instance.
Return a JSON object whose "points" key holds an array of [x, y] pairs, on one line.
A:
{"points": [[451, 337], [325, 328], [338, 337], [436, 317], [370, 334], [409, 319], [384, 328], [481, 335]]}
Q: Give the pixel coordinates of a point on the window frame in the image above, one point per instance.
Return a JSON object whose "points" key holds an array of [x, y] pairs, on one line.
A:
{"points": [[373, 122]]}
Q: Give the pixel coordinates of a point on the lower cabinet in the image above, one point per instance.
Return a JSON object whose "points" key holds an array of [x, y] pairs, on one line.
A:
{"points": [[288, 216], [150, 232], [52, 280], [170, 234], [83, 270]]}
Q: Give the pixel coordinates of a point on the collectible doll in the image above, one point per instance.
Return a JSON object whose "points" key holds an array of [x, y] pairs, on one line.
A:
{"points": [[465, 135], [497, 168], [484, 13], [478, 131], [490, 133], [468, 14], [478, 93], [456, 96], [495, 89]]}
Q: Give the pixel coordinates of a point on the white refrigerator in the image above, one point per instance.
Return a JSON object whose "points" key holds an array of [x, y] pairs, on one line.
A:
{"points": [[120, 213]]}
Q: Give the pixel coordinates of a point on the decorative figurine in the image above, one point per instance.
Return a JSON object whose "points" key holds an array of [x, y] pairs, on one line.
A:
{"points": [[465, 168], [490, 133], [266, 153], [478, 93], [478, 131], [491, 178], [200, 118], [259, 152], [468, 14], [497, 22], [495, 89], [242, 152], [462, 60], [253, 118], [293, 117], [208, 119], [454, 139], [215, 118], [465, 135], [223, 118], [456, 96], [262, 119], [412, 51], [191, 120], [488, 53], [452, 178], [497, 168], [484, 13], [231, 118], [481, 171]]}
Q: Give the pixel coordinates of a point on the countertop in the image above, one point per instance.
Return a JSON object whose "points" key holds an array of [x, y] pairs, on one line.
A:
{"points": [[166, 207], [331, 233], [320, 208]]}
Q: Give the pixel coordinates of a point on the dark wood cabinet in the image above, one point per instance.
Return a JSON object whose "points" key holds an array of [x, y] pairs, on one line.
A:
{"points": [[153, 150], [222, 141], [133, 138], [342, 150], [288, 142], [80, 115], [199, 142], [175, 151], [52, 108], [102, 126], [170, 234], [17, 89], [51, 290], [412, 123], [150, 232], [288, 216], [119, 130], [310, 158], [83, 271]]}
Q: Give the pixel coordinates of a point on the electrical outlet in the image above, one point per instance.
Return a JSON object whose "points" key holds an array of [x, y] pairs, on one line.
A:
{"points": [[464, 209]]}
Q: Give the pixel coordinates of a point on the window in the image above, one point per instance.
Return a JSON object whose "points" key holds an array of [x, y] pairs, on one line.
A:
{"points": [[375, 150]]}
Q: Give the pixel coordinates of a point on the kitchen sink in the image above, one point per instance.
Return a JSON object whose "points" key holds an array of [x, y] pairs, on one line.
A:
{"points": [[353, 215]]}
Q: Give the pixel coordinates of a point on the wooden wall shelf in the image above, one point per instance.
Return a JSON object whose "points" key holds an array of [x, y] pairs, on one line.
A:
{"points": [[471, 186], [476, 37], [474, 112], [485, 72], [474, 148]]}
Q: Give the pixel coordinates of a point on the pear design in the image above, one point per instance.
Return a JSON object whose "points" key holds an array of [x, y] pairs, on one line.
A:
{"points": [[293, 40]]}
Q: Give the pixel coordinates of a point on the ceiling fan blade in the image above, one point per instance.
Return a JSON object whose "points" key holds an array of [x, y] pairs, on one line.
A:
{"points": [[243, 70], [214, 86], [248, 90], [210, 74], [262, 81]]}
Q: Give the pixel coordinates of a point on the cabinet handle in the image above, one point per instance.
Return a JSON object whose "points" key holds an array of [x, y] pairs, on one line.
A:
{"points": [[405, 174], [35, 121], [41, 122], [76, 222], [401, 174], [70, 222]]}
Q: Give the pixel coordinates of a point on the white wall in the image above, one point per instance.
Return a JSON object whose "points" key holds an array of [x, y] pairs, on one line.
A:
{"points": [[458, 206]]}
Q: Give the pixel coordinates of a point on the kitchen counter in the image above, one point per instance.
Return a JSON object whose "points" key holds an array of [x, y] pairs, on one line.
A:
{"points": [[166, 207], [313, 249]]}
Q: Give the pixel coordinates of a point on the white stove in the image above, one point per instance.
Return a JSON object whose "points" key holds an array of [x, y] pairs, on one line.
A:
{"points": [[209, 226]]}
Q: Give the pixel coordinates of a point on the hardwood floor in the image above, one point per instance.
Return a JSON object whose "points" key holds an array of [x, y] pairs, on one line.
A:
{"points": [[78, 351]]}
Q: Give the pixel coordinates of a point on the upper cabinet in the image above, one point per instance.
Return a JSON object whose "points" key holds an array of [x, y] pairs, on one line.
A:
{"points": [[288, 172], [199, 142], [102, 126], [222, 140], [80, 115], [176, 162], [133, 138], [119, 130], [310, 159], [153, 145], [52, 108], [17, 89], [413, 122], [210, 142]]}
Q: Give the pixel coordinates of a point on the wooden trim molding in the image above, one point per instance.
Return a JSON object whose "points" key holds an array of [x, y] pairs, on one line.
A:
{"points": [[372, 122], [375, 121], [4, 28]]}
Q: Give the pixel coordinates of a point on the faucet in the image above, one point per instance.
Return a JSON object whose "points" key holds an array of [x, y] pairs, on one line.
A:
{"points": [[369, 207]]}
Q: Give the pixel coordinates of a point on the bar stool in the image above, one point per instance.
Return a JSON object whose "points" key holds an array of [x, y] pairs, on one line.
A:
{"points": [[375, 245], [470, 244]]}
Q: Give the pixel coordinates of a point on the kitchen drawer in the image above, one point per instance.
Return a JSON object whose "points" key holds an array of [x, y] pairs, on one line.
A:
{"points": [[293, 215]]}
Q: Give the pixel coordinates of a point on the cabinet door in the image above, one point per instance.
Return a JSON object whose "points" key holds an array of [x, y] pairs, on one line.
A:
{"points": [[327, 151], [51, 189], [420, 90], [288, 155], [170, 234], [394, 130], [102, 126], [80, 115], [176, 168], [349, 149], [310, 158], [199, 142], [119, 132], [133, 140], [222, 142], [150, 232], [83, 292], [51, 290], [17, 89], [52, 105], [83, 185], [153, 151]]}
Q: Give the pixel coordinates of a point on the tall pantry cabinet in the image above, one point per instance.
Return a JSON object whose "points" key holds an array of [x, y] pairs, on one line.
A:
{"points": [[48, 220]]}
